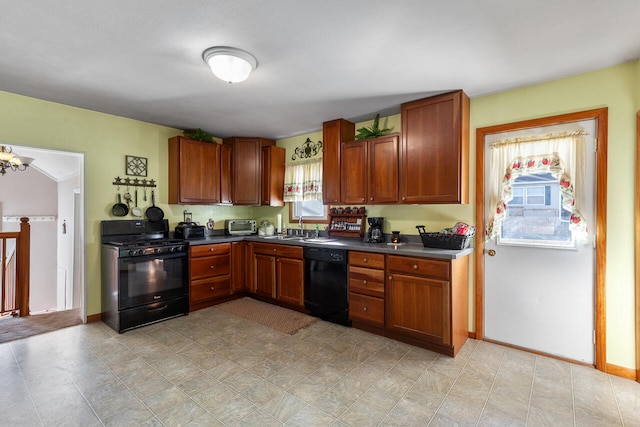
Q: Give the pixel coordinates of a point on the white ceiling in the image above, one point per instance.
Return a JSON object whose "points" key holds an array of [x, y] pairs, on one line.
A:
{"points": [[317, 60]]}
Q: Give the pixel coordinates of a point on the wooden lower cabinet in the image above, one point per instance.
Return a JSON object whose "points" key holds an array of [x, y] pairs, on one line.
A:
{"points": [[290, 281], [238, 264], [366, 288], [427, 301], [278, 273], [209, 274]]}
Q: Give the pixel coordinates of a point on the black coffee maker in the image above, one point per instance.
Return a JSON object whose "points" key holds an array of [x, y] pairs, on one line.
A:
{"points": [[375, 234]]}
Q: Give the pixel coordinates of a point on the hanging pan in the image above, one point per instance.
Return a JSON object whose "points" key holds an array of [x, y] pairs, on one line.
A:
{"points": [[136, 211], [154, 213], [120, 209]]}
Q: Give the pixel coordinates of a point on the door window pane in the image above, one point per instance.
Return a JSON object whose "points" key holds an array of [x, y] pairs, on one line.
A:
{"points": [[535, 216]]}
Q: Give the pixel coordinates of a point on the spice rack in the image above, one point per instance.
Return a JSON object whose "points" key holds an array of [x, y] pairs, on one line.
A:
{"points": [[346, 225]]}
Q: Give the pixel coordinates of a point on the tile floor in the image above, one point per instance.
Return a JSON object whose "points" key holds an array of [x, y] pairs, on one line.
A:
{"points": [[214, 369]]}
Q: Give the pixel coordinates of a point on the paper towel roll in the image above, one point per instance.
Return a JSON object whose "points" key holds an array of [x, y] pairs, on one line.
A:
{"points": [[279, 229]]}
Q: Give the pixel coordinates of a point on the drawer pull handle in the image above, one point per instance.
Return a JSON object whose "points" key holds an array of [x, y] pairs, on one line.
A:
{"points": [[415, 266], [364, 282], [364, 309]]}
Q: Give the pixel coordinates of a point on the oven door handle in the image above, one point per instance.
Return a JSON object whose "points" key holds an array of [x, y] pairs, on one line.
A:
{"points": [[152, 310]]}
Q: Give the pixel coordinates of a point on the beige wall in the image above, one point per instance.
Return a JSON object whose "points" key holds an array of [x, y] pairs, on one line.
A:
{"points": [[105, 139]]}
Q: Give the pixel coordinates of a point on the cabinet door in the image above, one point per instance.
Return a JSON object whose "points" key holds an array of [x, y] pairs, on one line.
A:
{"points": [[193, 171], [333, 134], [383, 170], [354, 172], [273, 176], [225, 175], [250, 279], [238, 250], [290, 280], [419, 307], [434, 150], [246, 170], [265, 275]]}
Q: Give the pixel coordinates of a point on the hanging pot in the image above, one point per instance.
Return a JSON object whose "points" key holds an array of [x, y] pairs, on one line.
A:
{"points": [[120, 209], [154, 213]]}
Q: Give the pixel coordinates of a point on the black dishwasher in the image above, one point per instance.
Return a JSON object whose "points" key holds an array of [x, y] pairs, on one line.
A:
{"points": [[325, 284]]}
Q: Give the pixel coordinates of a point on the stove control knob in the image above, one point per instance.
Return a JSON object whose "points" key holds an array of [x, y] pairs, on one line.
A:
{"points": [[134, 252], [158, 250]]}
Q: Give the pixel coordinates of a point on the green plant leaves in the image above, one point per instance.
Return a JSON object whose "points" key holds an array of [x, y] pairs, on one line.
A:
{"points": [[373, 132]]}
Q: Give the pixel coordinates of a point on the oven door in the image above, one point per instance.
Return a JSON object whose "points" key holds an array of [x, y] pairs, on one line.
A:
{"points": [[152, 278]]}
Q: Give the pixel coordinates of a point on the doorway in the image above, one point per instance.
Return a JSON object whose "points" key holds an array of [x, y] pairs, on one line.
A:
{"points": [[50, 192], [491, 319]]}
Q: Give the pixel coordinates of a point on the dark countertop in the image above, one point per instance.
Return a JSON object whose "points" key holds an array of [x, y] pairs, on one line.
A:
{"points": [[407, 249]]}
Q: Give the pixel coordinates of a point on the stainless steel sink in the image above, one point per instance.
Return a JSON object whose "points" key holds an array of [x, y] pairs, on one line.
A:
{"points": [[320, 240]]}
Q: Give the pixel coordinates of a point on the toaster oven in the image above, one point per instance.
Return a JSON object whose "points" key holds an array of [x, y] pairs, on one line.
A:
{"points": [[240, 227]]}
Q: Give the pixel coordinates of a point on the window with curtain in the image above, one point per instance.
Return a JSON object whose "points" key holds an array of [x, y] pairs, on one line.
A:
{"points": [[518, 168], [303, 181], [303, 189]]}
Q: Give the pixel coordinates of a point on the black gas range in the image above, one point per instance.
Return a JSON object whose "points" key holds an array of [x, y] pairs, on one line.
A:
{"points": [[144, 274]]}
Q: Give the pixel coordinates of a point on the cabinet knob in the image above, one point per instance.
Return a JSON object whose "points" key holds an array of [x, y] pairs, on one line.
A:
{"points": [[212, 288], [362, 200], [390, 277], [364, 282], [212, 267], [371, 198], [365, 260], [415, 266], [364, 309], [211, 249], [335, 200], [275, 250], [404, 198]]}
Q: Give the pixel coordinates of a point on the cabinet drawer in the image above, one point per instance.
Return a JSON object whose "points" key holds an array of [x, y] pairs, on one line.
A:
{"points": [[366, 281], [419, 266], [287, 251], [215, 287], [207, 250], [210, 266], [366, 309], [366, 259]]}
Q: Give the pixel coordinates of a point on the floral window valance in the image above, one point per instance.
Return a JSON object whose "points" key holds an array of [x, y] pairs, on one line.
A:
{"points": [[303, 181], [564, 159]]}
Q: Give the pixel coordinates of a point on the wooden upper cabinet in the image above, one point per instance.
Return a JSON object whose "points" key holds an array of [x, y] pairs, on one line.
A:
{"points": [[273, 175], [353, 175], [383, 170], [194, 176], [226, 190], [334, 133], [246, 171], [369, 171], [434, 152]]}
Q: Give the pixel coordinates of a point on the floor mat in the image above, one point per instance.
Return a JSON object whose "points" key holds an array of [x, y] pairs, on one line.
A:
{"points": [[278, 318]]}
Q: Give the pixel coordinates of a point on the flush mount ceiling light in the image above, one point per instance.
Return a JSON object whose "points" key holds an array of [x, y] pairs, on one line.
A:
{"points": [[230, 64]]}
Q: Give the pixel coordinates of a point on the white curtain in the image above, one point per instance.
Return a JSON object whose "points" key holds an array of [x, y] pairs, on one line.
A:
{"points": [[303, 181], [564, 157]]}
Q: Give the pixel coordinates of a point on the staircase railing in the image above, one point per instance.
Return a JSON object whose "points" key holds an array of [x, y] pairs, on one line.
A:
{"points": [[15, 269]]}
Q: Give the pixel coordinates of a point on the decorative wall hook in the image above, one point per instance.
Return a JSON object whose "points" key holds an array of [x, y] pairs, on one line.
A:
{"points": [[307, 150]]}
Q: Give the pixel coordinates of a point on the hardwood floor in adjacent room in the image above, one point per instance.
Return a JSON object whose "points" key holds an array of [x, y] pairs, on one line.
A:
{"points": [[212, 368]]}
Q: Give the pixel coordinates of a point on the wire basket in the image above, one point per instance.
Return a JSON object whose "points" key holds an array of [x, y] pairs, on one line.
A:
{"points": [[445, 241]]}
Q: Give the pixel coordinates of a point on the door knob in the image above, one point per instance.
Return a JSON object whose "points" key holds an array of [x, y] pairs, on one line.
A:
{"points": [[490, 252]]}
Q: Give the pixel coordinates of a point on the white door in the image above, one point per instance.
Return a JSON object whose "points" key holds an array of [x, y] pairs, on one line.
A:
{"points": [[538, 295]]}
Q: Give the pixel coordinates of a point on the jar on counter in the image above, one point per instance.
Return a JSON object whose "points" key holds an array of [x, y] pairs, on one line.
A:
{"points": [[395, 237]]}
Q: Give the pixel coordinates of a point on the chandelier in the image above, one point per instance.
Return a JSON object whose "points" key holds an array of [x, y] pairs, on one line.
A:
{"points": [[8, 160]]}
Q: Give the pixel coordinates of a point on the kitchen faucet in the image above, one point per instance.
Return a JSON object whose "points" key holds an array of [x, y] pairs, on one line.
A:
{"points": [[300, 222]]}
